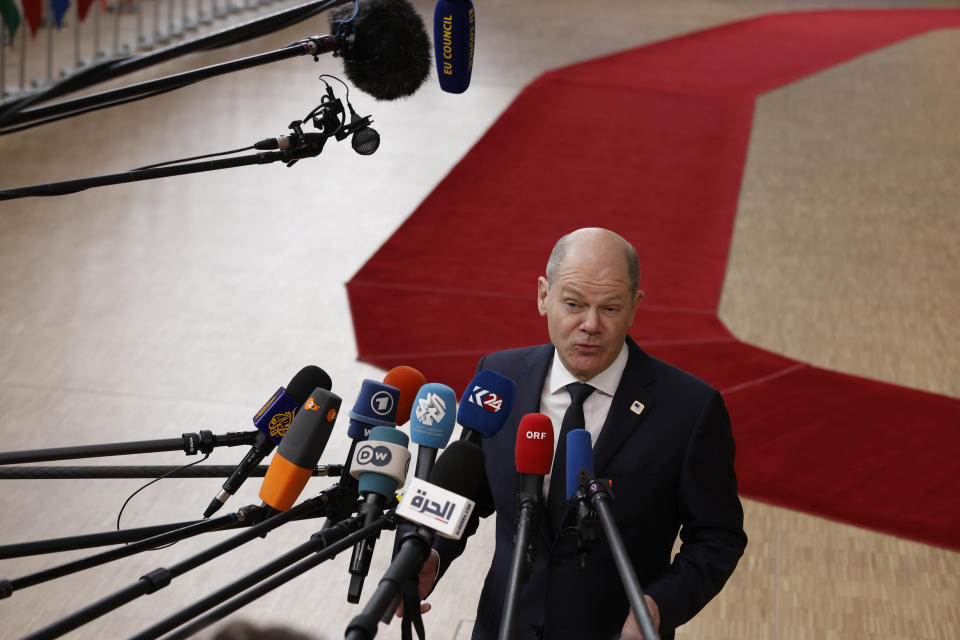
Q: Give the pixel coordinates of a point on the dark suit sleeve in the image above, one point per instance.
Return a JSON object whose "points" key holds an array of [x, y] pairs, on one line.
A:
{"points": [[711, 534], [450, 550]]}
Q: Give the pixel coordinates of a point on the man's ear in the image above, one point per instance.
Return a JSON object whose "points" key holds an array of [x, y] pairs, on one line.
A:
{"points": [[543, 288]]}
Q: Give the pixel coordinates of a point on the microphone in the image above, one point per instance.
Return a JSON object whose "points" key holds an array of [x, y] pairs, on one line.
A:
{"points": [[409, 381], [376, 406], [431, 424], [485, 406], [300, 449], [580, 460], [534, 457], [439, 505], [379, 465], [386, 52], [272, 420], [454, 36]]}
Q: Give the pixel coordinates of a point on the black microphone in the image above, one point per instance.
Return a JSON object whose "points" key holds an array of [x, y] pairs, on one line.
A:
{"points": [[429, 506], [387, 50], [534, 457], [273, 420]]}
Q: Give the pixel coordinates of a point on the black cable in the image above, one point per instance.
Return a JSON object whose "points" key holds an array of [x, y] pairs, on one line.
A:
{"points": [[206, 155], [130, 497]]}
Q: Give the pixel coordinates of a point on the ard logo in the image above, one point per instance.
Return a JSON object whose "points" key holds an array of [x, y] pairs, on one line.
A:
{"points": [[280, 423]]}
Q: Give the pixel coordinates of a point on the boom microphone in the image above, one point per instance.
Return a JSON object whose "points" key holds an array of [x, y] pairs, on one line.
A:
{"points": [[454, 36], [387, 49], [273, 420], [300, 449], [485, 405]]}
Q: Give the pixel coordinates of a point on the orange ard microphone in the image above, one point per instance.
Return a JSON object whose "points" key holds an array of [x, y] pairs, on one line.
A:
{"points": [[409, 381], [534, 455], [300, 449]]}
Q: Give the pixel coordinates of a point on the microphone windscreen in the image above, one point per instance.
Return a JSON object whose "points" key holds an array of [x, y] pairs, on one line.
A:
{"points": [[275, 416], [409, 381], [376, 406], [459, 469], [534, 450], [454, 37], [305, 381], [300, 449], [432, 417], [579, 456], [389, 54], [390, 462], [486, 403]]}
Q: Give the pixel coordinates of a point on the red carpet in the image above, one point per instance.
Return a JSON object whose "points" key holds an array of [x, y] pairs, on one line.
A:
{"points": [[652, 142]]}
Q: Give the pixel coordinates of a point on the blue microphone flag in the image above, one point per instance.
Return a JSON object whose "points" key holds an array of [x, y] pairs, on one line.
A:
{"points": [[454, 36], [486, 403], [376, 406]]}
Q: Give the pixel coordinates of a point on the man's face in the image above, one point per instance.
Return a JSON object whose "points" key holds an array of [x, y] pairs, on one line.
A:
{"points": [[588, 308]]}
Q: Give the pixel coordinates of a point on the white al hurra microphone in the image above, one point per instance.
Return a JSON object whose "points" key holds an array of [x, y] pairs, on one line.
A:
{"points": [[434, 507]]}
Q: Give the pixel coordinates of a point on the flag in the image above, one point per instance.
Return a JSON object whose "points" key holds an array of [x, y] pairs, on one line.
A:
{"points": [[33, 12], [10, 13], [83, 6], [59, 10]]}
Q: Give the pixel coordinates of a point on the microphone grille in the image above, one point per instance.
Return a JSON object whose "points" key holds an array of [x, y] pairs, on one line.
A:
{"points": [[534, 451], [365, 141]]}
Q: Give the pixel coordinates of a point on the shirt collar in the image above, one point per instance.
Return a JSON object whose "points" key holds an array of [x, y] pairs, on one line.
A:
{"points": [[606, 381]]}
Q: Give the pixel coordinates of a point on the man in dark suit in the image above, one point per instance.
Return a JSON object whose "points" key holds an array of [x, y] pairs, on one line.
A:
{"points": [[660, 435]]}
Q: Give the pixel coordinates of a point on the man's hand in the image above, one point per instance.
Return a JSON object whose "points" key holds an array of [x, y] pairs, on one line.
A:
{"points": [[631, 628], [428, 576]]}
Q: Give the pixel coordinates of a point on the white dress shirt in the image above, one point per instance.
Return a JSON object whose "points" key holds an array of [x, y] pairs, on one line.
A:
{"points": [[555, 398]]}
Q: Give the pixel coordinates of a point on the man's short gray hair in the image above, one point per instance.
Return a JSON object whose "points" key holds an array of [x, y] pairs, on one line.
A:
{"points": [[559, 253]]}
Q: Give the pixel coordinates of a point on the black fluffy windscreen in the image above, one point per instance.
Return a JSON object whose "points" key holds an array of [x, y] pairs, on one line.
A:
{"points": [[388, 53]]}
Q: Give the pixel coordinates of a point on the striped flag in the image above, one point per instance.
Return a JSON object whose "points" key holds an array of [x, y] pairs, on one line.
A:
{"points": [[11, 15]]}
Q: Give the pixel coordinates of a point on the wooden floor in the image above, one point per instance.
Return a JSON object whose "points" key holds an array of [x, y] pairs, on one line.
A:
{"points": [[146, 310]]}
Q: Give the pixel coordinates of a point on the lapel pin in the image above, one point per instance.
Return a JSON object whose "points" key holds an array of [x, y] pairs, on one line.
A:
{"points": [[637, 407]]}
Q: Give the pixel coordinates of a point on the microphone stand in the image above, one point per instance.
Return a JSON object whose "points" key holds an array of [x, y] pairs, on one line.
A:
{"points": [[325, 544], [244, 517], [311, 46], [414, 549], [161, 577], [599, 495], [521, 565], [190, 443], [143, 471], [308, 150]]}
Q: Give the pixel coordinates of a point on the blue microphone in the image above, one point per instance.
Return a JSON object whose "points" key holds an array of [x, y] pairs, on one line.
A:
{"points": [[485, 405], [454, 36], [579, 456], [431, 424], [376, 406]]}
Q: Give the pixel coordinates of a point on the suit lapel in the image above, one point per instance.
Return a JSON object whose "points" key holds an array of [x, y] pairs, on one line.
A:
{"points": [[631, 404]]}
